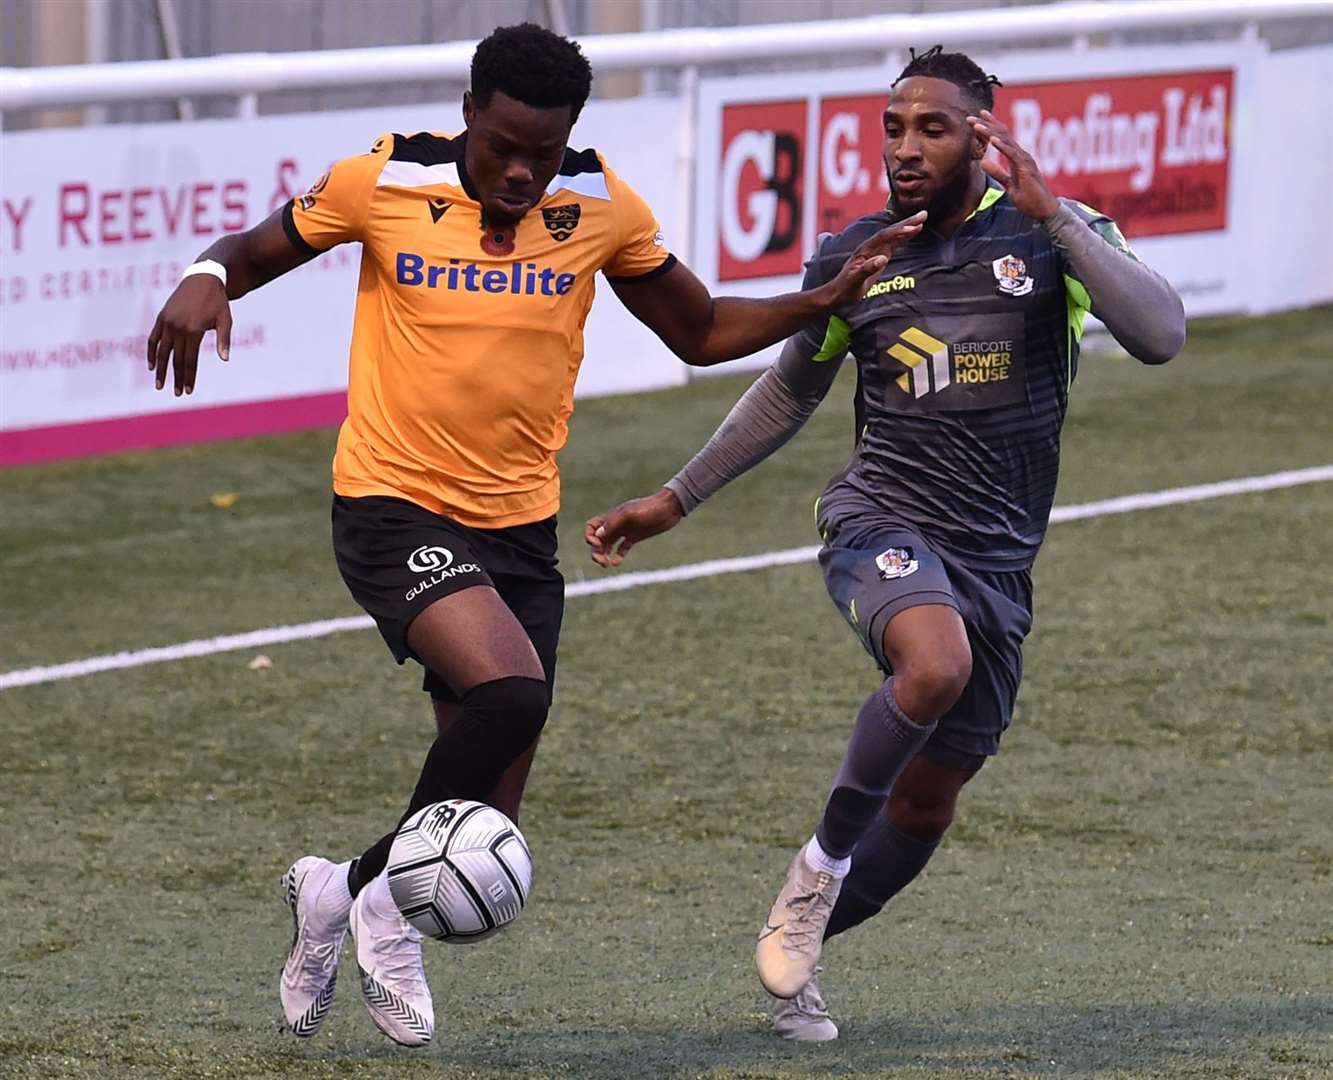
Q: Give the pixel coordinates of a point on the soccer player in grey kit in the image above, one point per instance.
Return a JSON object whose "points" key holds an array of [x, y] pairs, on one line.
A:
{"points": [[965, 349]]}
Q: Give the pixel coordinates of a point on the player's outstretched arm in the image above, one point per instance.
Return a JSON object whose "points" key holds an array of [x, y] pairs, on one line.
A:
{"points": [[611, 534], [200, 302], [702, 329], [767, 416], [1139, 306]]}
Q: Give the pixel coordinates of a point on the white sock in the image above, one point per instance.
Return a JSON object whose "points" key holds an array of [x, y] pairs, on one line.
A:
{"points": [[379, 899], [818, 859]]}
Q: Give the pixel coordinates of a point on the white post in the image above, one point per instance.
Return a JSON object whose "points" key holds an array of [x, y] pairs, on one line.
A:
{"points": [[687, 149], [171, 45], [557, 18], [650, 21], [96, 24], [247, 106]]}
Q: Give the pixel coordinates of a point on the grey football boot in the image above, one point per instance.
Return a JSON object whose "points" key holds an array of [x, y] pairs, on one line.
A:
{"points": [[793, 936], [804, 1018]]}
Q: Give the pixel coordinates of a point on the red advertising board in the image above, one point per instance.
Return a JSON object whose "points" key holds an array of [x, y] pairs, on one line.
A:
{"points": [[1152, 151], [852, 181], [761, 187], [1149, 150]]}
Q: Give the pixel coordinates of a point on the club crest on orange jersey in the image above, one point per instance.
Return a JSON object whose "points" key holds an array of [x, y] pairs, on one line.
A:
{"points": [[1011, 276], [561, 221]]}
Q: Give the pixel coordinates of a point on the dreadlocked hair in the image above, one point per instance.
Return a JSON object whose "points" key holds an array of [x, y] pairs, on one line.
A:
{"points": [[531, 64], [956, 68]]}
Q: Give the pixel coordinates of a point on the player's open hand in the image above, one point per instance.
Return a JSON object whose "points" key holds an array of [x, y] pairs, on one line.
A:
{"points": [[1022, 181], [611, 535], [869, 259], [198, 305]]}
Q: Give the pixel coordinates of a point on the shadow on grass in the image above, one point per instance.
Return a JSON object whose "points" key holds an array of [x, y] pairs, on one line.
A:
{"points": [[1237, 1038], [1286, 1039]]}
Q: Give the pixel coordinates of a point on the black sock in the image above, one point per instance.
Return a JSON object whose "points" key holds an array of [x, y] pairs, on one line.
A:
{"points": [[499, 720], [884, 739], [883, 864], [354, 882]]}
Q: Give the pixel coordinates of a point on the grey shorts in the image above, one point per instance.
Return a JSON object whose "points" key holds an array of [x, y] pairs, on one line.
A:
{"points": [[873, 575]]}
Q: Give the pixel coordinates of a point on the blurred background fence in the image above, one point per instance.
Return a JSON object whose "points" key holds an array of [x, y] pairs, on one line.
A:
{"points": [[1190, 121], [36, 33]]}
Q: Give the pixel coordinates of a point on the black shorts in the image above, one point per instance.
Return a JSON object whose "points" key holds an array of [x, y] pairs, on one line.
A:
{"points": [[398, 558], [872, 575]]}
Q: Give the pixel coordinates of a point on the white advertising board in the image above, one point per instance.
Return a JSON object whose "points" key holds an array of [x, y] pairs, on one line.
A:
{"points": [[1184, 145], [97, 223]]}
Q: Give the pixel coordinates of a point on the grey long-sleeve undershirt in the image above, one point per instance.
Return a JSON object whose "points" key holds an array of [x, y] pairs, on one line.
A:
{"points": [[766, 417], [1137, 305]]}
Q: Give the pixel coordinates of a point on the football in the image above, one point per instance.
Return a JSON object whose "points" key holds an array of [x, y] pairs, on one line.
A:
{"points": [[459, 871]]}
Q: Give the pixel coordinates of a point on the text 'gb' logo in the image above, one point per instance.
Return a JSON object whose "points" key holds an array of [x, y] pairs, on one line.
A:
{"points": [[761, 190]]}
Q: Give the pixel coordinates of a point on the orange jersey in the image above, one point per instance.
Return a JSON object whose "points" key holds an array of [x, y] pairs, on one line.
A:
{"points": [[466, 344]]}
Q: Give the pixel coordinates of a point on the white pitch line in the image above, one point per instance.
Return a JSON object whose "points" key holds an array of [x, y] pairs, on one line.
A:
{"points": [[712, 568], [1149, 500]]}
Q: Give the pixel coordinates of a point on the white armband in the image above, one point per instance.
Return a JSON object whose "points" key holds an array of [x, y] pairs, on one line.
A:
{"points": [[207, 266]]}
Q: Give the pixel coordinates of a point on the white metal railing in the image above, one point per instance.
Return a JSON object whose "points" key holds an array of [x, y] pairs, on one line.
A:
{"points": [[245, 74]]}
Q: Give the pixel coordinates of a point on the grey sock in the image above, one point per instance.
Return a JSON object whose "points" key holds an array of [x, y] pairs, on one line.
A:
{"points": [[884, 739], [883, 864]]}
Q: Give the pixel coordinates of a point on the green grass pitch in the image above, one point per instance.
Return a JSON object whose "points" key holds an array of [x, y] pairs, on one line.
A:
{"points": [[1140, 885]]}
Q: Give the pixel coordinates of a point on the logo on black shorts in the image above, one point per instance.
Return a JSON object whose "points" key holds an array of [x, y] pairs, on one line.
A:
{"points": [[439, 563], [427, 559], [896, 563]]}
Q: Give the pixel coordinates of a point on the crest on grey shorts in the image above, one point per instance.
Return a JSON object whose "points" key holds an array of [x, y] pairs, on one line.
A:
{"points": [[896, 562]]}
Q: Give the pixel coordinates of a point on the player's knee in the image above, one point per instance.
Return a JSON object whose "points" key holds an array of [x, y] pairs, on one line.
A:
{"points": [[922, 815], [517, 703], [936, 680]]}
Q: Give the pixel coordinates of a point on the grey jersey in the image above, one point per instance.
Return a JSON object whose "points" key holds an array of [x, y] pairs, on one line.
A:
{"points": [[965, 350]]}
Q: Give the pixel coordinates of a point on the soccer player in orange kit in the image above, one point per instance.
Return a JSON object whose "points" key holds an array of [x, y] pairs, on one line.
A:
{"points": [[479, 254]]}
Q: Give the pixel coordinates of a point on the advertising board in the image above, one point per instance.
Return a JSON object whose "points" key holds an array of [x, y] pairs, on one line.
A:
{"points": [[96, 225], [1149, 136]]}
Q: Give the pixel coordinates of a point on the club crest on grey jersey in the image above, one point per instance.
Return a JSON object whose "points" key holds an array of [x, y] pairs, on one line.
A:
{"points": [[1011, 276]]}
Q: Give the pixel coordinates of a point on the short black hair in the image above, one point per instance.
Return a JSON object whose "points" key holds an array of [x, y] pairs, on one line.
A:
{"points": [[957, 68], [533, 65]]}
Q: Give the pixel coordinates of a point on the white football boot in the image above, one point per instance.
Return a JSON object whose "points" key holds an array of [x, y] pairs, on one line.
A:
{"points": [[805, 1017], [393, 979], [793, 936], [316, 892]]}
